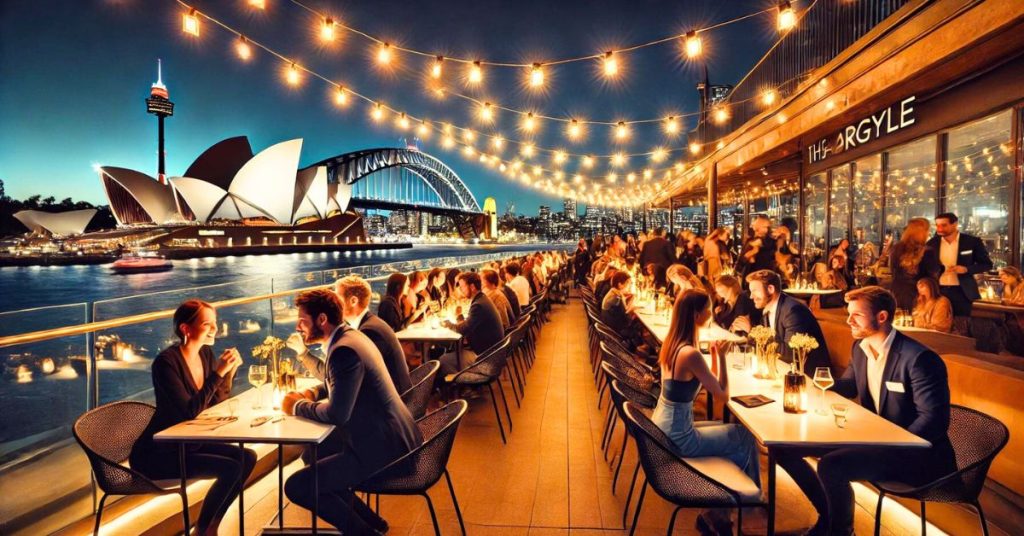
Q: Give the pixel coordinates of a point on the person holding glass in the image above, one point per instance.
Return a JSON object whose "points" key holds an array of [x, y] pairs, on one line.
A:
{"points": [[901, 380], [188, 379], [683, 372]]}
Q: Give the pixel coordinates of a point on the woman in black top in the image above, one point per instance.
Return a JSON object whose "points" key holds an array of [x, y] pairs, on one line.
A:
{"points": [[734, 303], [188, 379], [390, 309]]}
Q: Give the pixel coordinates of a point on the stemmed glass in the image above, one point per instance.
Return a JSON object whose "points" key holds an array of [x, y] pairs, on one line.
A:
{"points": [[258, 377], [822, 380]]}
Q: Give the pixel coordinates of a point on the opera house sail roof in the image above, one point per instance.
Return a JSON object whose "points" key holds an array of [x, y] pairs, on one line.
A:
{"points": [[72, 222]]}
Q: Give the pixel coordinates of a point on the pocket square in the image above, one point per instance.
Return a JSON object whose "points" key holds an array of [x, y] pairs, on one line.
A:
{"points": [[894, 387], [967, 252]]}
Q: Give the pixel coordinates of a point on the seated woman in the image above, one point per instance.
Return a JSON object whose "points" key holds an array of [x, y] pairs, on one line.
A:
{"points": [[187, 379], [435, 286], [736, 311], [657, 273], [414, 304], [683, 372], [1013, 285], [390, 309], [932, 310]]}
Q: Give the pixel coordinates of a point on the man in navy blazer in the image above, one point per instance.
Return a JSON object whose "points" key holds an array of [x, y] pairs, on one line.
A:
{"points": [[787, 316], [962, 256], [373, 426], [481, 325], [658, 250], [902, 381]]}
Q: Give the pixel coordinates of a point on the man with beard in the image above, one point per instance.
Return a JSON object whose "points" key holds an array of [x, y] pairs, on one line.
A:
{"points": [[373, 426], [962, 256], [899, 379]]}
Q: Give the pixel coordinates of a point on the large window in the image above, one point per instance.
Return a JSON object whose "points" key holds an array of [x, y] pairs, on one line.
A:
{"points": [[730, 216], [979, 180], [910, 185], [867, 209], [814, 218], [839, 205]]}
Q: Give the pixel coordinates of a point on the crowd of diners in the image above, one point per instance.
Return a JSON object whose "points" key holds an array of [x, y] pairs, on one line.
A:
{"points": [[705, 284], [363, 367]]}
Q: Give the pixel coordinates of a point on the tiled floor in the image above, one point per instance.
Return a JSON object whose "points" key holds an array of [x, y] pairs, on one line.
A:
{"points": [[552, 477]]}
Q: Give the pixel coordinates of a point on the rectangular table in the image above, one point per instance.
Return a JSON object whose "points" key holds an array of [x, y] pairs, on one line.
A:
{"points": [[290, 430], [426, 334]]}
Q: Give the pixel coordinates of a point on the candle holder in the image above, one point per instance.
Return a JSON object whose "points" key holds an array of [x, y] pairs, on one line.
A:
{"points": [[794, 395]]}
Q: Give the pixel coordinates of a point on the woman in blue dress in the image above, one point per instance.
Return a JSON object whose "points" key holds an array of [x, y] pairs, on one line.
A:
{"points": [[683, 372]]}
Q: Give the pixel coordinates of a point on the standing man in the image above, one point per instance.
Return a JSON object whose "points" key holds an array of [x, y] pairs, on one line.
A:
{"points": [[481, 326], [373, 426], [899, 379], [759, 251], [962, 255], [658, 250], [787, 316]]}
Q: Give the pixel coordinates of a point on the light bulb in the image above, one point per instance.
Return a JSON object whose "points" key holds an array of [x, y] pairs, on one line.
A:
{"points": [[612, 177], [621, 131], [448, 142], [340, 96], [529, 122], [560, 157], [327, 29], [671, 126], [648, 174], [618, 159], [487, 112], [243, 49], [721, 114], [693, 45], [468, 136], [768, 97], [424, 129], [536, 75], [611, 64], [694, 148], [258, 4], [435, 71], [786, 17], [476, 73], [574, 130], [292, 75], [378, 112], [190, 23], [631, 177], [384, 54], [403, 122], [588, 162], [537, 170], [498, 142], [526, 150], [659, 154]]}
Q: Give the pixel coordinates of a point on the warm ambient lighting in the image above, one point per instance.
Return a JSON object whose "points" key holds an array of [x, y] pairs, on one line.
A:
{"points": [[327, 29], [769, 97], [588, 162], [659, 154], [340, 96], [618, 159], [468, 136], [721, 114], [384, 54], [786, 17], [694, 148], [424, 129], [560, 157], [671, 126], [476, 73], [621, 131], [574, 130], [435, 71], [487, 112], [448, 142], [529, 123], [258, 4], [526, 150], [378, 112], [243, 49], [611, 64], [536, 76], [694, 46], [190, 23], [292, 75], [403, 122], [498, 142]]}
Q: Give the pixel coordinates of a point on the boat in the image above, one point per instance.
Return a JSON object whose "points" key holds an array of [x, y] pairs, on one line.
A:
{"points": [[135, 263]]}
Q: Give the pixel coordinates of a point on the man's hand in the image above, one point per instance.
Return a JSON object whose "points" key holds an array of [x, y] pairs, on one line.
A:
{"points": [[288, 404], [295, 344], [959, 269]]}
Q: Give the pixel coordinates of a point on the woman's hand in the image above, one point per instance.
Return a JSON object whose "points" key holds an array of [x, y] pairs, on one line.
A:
{"points": [[228, 362]]}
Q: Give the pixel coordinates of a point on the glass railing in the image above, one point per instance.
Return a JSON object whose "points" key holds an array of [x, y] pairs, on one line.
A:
{"points": [[52, 378]]}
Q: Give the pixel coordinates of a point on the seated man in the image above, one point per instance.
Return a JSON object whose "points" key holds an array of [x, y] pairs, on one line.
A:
{"points": [[481, 326], [489, 280], [897, 378], [787, 316], [355, 307], [374, 428], [515, 280]]}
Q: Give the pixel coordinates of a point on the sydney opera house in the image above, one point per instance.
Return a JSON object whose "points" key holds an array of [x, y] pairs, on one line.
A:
{"points": [[229, 198]]}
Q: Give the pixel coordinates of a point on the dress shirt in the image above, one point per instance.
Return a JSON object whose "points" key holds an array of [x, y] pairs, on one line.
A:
{"points": [[355, 322], [948, 254], [876, 367], [769, 312], [522, 288]]}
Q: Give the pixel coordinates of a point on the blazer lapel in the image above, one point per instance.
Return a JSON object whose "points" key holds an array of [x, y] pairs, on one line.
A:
{"points": [[860, 369], [890, 362]]}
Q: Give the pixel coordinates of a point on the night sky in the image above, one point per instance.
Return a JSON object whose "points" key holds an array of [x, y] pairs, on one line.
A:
{"points": [[74, 75]]}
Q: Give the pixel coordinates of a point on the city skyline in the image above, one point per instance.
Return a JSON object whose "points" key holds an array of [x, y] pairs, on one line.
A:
{"points": [[71, 122]]}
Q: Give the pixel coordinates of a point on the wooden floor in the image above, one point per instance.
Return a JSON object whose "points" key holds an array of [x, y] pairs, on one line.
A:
{"points": [[551, 478]]}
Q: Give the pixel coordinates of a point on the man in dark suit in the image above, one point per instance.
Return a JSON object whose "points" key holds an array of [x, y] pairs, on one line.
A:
{"points": [[373, 426], [355, 302], [759, 251], [658, 250], [962, 255], [899, 379], [481, 326], [787, 316]]}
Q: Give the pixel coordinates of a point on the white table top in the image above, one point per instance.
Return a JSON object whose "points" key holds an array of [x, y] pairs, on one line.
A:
{"points": [[809, 291], [289, 429], [658, 325], [774, 427], [423, 331]]}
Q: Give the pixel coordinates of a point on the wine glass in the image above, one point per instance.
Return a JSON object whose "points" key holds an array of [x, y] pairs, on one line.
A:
{"points": [[823, 380], [258, 377]]}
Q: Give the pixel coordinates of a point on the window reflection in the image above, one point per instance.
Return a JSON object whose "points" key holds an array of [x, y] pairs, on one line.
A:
{"points": [[979, 176], [839, 205], [910, 185], [814, 218], [867, 210]]}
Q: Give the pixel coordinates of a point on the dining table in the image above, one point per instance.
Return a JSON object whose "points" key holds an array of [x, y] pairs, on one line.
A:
{"points": [[428, 332], [243, 420]]}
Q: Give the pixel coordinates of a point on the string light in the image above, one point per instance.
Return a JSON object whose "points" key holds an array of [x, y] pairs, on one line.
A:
{"points": [[611, 64], [468, 136], [476, 73], [721, 114], [258, 4], [468, 150], [786, 16], [574, 130], [403, 122], [448, 142], [648, 174], [529, 123], [621, 131], [631, 177], [327, 30], [694, 148], [340, 96], [435, 71], [526, 150], [671, 126], [588, 162], [292, 76], [618, 159], [384, 54], [612, 177], [378, 112], [498, 142], [243, 49], [536, 76], [190, 23], [487, 112], [693, 45], [559, 157], [768, 97], [424, 129], [659, 154]]}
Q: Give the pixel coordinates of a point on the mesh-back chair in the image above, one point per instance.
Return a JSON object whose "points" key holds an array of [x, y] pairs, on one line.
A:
{"points": [[417, 397], [516, 334], [621, 391], [420, 469], [107, 435], [977, 439], [641, 374], [486, 370], [679, 481]]}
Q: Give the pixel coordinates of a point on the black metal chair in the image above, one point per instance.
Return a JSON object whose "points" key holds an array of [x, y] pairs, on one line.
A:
{"points": [[419, 470], [687, 483], [486, 370], [417, 397], [977, 439], [107, 435]]}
